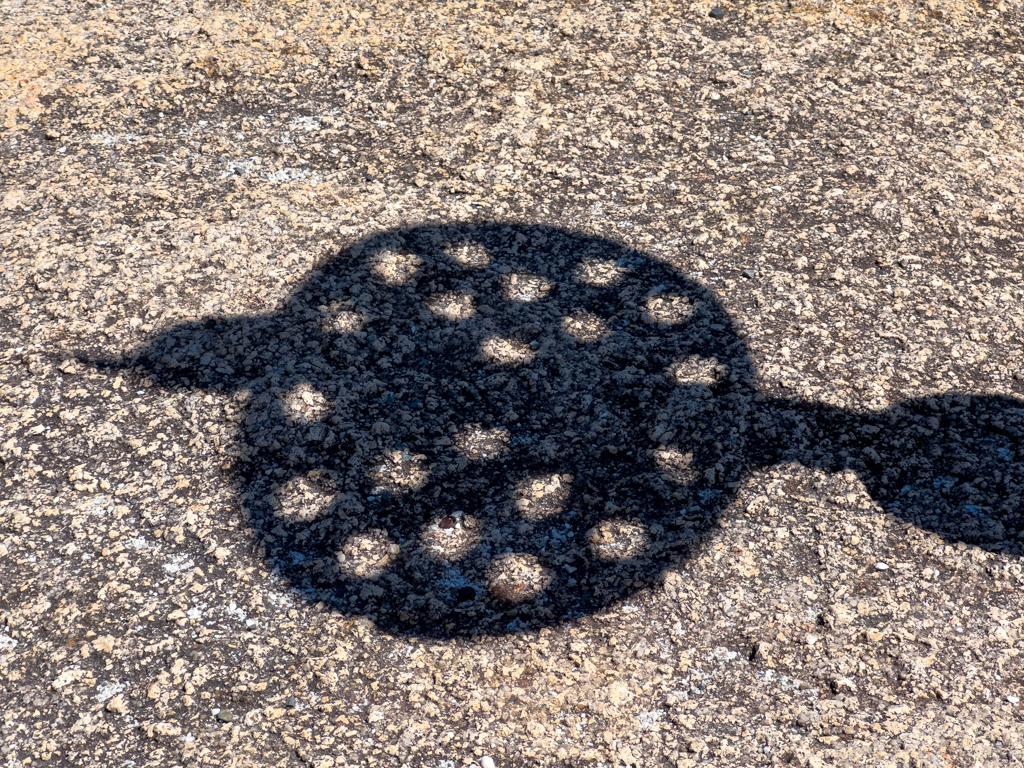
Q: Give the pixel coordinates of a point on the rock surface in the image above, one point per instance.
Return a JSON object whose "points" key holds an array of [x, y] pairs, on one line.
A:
{"points": [[792, 502]]}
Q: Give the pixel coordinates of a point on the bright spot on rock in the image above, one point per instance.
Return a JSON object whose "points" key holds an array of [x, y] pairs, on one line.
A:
{"points": [[393, 267], [507, 352], [399, 472], [526, 287], [586, 327], [515, 577], [664, 310], [468, 255], [367, 555], [475, 442], [452, 306], [542, 496], [304, 404], [599, 272], [618, 540], [301, 499], [451, 537]]}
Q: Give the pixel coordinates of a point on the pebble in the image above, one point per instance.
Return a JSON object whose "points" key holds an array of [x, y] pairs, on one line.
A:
{"points": [[226, 715], [717, 13], [881, 567], [486, 762]]}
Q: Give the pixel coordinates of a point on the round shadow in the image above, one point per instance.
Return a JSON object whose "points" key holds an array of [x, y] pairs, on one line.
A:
{"points": [[479, 429]]}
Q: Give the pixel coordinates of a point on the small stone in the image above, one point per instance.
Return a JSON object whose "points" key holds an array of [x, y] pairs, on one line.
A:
{"points": [[748, 273], [881, 567], [117, 705], [465, 594], [1013, 699], [717, 13], [487, 762], [104, 643], [843, 685], [226, 715], [447, 523]]}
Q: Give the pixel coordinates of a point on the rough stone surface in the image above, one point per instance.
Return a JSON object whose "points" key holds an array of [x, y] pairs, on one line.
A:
{"points": [[531, 384]]}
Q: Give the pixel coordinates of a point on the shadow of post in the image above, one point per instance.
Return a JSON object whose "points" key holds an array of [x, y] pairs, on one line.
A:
{"points": [[483, 428]]}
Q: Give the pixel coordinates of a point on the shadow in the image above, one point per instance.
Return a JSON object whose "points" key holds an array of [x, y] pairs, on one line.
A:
{"points": [[477, 429], [950, 464]]}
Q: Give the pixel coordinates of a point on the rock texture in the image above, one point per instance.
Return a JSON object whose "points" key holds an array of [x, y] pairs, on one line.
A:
{"points": [[511, 384]]}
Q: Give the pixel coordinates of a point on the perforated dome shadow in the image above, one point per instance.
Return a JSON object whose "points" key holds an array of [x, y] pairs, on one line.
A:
{"points": [[482, 429]]}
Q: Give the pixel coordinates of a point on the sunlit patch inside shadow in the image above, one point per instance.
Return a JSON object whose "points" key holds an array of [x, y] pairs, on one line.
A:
{"points": [[449, 538], [696, 370], [399, 472], [301, 499], [468, 255], [507, 352], [474, 442], [599, 272], [304, 404], [515, 577], [338, 320], [452, 306], [393, 267], [541, 497], [617, 540], [586, 327], [665, 311], [526, 287], [367, 555]]}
